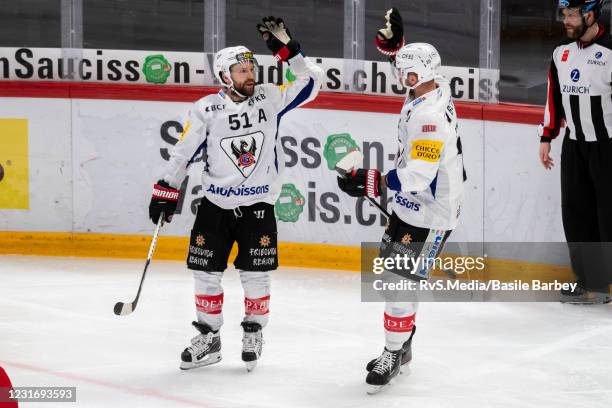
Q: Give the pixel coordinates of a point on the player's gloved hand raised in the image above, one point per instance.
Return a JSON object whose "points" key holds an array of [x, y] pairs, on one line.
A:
{"points": [[278, 38], [361, 182], [390, 39], [164, 200]]}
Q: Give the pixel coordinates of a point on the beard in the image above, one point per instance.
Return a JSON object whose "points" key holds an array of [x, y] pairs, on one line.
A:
{"points": [[574, 33], [245, 88]]}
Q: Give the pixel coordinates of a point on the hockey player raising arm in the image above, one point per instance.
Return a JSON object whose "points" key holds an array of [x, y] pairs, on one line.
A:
{"points": [[238, 129], [427, 180]]}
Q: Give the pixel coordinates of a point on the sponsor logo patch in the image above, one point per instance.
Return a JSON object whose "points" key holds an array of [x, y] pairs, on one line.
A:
{"points": [[238, 191], [426, 150], [429, 128], [264, 241], [575, 75], [565, 55]]}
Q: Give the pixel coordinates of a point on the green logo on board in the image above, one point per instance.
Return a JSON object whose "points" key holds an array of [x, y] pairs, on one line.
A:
{"points": [[290, 204], [156, 69], [336, 147]]}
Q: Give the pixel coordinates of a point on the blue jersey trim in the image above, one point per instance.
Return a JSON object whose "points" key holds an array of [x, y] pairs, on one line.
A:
{"points": [[393, 181], [433, 186], [299, 99], [198, 150]]}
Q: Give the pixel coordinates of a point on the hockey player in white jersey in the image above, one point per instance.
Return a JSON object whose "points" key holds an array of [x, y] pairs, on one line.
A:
{"points": [[427, 180], [238, 129]]}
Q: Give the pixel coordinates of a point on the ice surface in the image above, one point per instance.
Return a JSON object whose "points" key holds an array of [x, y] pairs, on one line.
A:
{"points": [[57, 328]]}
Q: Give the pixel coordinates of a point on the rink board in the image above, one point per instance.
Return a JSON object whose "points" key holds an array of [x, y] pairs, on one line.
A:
{"points": [[92, 163]]}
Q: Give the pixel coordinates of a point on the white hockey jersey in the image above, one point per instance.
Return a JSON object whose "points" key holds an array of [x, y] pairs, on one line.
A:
{"points": [[429, 175], [244, 156]]}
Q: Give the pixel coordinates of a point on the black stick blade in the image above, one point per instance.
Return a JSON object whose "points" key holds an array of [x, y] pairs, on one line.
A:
{"points": [[122, 309]]}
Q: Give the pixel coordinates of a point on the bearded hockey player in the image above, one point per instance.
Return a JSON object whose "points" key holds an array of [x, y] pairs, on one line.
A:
{"points": [[238, 128], [427, 181]]}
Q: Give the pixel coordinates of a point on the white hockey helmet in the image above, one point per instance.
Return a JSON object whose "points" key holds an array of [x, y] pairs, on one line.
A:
{"points": [[225, 58], [421, 59]]}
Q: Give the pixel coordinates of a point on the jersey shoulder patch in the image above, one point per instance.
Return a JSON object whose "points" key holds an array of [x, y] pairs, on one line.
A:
{"points": [[426, 150]]}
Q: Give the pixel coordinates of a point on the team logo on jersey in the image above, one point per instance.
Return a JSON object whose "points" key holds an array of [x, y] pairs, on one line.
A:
{"points": [[565, 55], [598, 54], [406, 239], [243, 151], [575, 75]]}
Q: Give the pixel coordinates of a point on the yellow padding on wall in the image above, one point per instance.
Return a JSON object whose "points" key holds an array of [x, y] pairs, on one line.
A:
{"points": [[169, 248], [290, 253]]}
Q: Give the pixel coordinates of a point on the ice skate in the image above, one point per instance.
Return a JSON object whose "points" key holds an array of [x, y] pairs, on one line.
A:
{"points": [[252, 343], [387, 367], [406, 355], [205, 348]]}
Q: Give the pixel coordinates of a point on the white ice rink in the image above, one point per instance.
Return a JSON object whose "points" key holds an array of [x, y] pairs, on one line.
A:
{"points": [[57, 328]]}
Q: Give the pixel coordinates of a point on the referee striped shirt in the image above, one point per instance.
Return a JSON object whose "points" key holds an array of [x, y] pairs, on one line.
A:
{"points": [[580, 91]]}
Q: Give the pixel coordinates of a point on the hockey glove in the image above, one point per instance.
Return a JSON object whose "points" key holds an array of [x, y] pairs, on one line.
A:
{"points": [[361, 182], [164, 200], [278, 38], [390, 39]]}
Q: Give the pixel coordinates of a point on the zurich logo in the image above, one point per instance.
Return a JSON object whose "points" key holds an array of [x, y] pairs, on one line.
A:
{"points": [[598, 54], [575, 75], [564, 3]]}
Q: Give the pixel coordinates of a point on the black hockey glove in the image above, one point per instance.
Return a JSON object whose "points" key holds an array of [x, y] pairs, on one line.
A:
{"points": [[278, 38], [360, 183], [164, 200], [390, 39]]}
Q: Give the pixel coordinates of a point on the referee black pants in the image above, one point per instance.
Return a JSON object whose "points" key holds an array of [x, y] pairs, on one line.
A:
{"points": [[586, 203]]}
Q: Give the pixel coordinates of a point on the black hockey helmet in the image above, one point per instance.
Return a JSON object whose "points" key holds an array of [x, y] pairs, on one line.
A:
{"points": [[583, 6]]}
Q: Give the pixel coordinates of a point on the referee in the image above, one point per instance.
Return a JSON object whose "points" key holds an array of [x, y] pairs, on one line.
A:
{"points": [[580, 97]]}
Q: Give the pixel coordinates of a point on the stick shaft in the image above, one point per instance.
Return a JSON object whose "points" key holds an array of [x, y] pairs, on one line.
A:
{"points": [[160, 222], [380, 207]]}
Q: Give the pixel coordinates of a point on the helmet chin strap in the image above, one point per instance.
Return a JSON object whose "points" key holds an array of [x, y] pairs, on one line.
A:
{"points": [[234, 90], [413, 87], [231, 87]]}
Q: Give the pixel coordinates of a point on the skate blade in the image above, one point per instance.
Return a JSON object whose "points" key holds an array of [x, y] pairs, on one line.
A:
{"points": [[405, 369], [212, 359], [585, 302], [250, 365], [375, 389]]}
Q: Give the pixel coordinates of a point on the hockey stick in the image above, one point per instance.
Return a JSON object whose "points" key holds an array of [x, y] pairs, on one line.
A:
{"points": [[122, 309], [347, 164]]}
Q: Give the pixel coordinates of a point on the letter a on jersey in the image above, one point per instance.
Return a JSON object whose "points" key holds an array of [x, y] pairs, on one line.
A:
{"points": [[243, 151]]}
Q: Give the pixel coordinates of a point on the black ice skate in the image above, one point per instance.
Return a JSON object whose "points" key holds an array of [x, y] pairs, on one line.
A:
{"points": [[387, 367], [581, 296], [406, 353], [205, 348], [252, 343]]}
